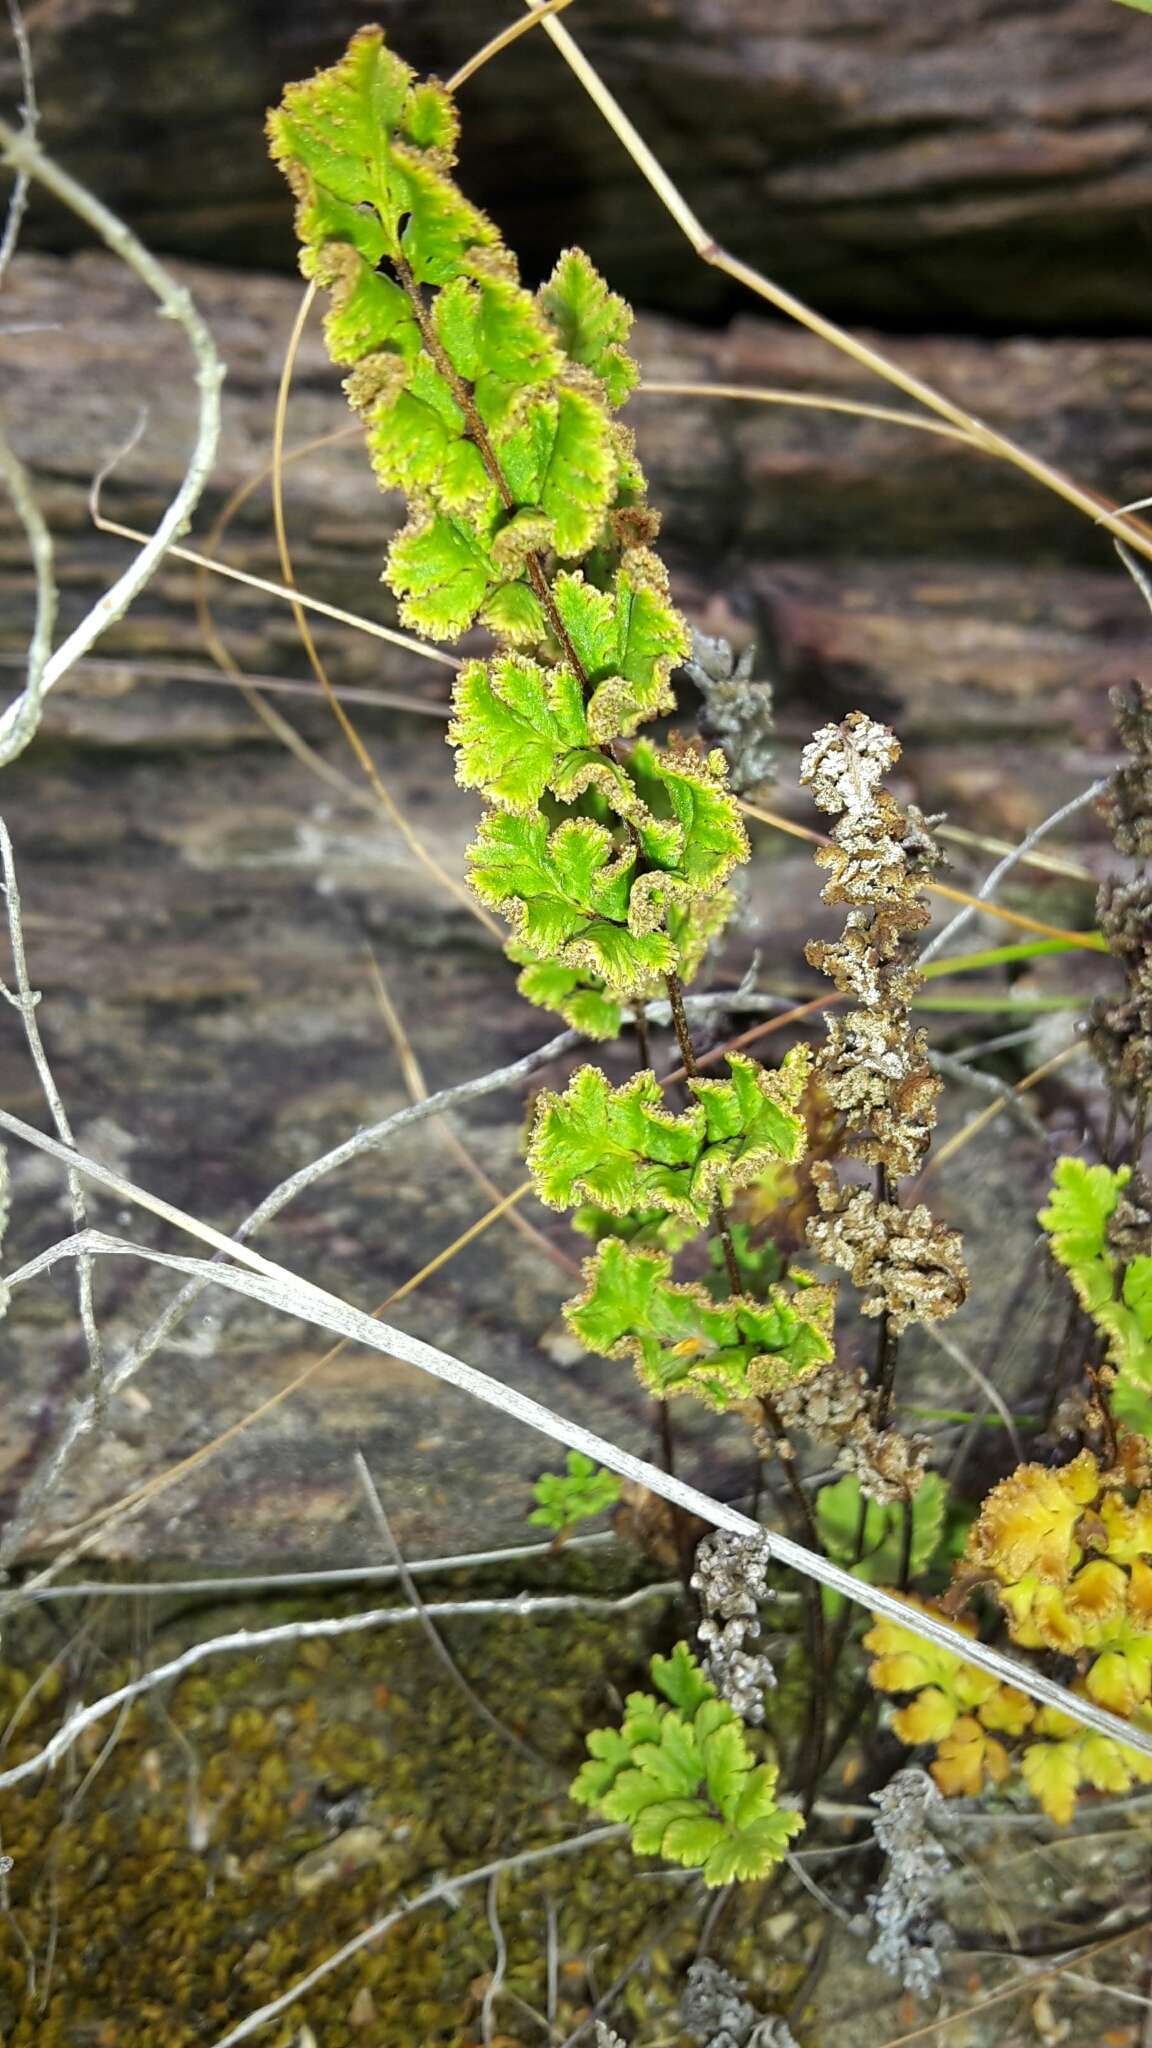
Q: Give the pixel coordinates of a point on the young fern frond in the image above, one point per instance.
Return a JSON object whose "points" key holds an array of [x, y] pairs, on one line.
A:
{"points": [[685, 1780], [495, 412], [1084, 1221]]}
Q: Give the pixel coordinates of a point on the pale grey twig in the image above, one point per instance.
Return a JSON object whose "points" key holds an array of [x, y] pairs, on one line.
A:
{"points": [[272, 1582], [25, 1000], [443, 1888], [261, 1280], [175, 672], [43, 1482], [36, 532], [23, 153], [439, 1647], [993, 879], [496, 1978], [30, 115], [1001, 1043], [1136, 570], [242, 1640], [1110, 1990], [738, 1002], [990, 1084], [552, 1963], [951, 1349], [817, 1891]]}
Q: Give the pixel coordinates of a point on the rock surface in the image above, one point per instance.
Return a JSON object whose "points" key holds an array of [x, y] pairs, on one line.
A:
{"points": [[969, 165], [198, 905]]}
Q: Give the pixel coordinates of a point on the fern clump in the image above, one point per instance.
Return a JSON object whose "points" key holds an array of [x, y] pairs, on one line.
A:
{"points": [[608, 851], [684, 1778]]}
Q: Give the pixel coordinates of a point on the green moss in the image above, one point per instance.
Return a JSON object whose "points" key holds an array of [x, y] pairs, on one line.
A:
{"points": [[174, 1875]]}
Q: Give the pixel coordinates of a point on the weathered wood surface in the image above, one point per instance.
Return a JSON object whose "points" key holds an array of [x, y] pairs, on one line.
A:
{"points": [[966, 164], [198, 906]]}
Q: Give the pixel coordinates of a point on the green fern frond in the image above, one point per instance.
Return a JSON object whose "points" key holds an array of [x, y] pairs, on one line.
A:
{"points": [[566, 894], [591, 323], [1116, 1294], [623, 1150], [682, 1341], [578, 1493], [684, 1779]]}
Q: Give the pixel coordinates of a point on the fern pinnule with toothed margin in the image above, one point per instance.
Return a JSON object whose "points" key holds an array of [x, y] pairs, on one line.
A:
{"points": [[495, 411]]}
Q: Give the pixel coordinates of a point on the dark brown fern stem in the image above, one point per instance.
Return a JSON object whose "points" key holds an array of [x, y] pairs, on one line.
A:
{"points": [[643, 1043], [811, 1747], [888, 1344]]}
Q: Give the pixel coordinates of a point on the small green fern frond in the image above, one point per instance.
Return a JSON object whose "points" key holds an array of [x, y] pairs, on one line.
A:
{"points": [[684, 1779], [578, 1493]]}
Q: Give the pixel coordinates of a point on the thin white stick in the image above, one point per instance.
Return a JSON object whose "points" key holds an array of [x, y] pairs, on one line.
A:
{"points": [[421, 1612], [520, 1606], [444, 1888], [30, 115], [993, 880], [275, 1582], [25, 1000], [263, 1281], [271, 589], [959, 1356], [371, 1139], [496, 1977], [37, 534], [175, 303]]}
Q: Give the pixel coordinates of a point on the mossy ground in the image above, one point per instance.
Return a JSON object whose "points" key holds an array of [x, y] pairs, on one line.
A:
{"points": [[194, 1857]]}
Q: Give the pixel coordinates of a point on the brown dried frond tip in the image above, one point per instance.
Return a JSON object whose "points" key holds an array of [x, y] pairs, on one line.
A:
{"points": [[1120, 1030], [874, 1065], [1127, 805], [836, 1407], [910, 1267]]}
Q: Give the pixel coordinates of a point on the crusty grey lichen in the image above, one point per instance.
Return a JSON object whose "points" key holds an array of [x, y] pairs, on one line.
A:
{"points": [[731, 1578], [910, 1938], [738, 710]]}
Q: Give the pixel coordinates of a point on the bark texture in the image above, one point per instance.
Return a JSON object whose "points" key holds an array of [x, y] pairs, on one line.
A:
{"points": [[968, 164]]}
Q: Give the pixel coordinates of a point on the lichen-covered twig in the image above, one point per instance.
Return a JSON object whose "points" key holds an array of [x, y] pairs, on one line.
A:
{"points": [[20, 150], [731, 1578], [25, 999], [30, 115], [909, 1941]]}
